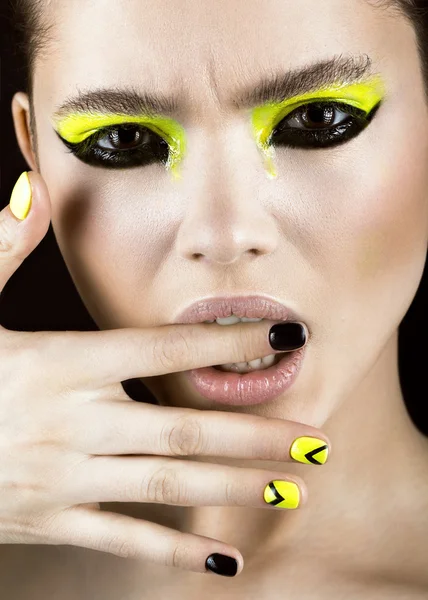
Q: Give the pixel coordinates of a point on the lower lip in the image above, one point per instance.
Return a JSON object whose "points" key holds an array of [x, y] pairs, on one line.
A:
{"points": [[247, 389]]}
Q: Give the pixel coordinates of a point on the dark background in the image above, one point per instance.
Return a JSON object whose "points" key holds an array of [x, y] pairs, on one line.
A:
{"points": [[41, 296]]}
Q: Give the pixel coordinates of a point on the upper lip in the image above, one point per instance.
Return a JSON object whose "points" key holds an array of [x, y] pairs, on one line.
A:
{"points": [[242, 306]]}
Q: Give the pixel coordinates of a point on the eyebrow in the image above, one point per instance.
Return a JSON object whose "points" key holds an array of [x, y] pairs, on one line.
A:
{"points": [[338, 70]]}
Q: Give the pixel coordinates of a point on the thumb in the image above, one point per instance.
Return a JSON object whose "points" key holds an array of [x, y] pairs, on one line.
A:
{"points": [[23, 223]]}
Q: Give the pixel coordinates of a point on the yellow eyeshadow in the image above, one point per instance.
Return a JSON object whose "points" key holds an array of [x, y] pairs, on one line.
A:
{"points": [[363, 95], [76, 127]]}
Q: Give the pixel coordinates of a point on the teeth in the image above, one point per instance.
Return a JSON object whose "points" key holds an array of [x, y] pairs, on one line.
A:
{"points": [[256, 363], [232, 320], [259, 364], [228, 320], [270, 359], [247, 320]]}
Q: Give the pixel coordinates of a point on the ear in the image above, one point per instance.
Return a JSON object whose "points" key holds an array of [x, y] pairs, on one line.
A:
{"points": [[21, 121]]}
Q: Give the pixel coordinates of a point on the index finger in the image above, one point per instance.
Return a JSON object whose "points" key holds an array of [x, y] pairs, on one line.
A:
{"points": [[96, 359]]}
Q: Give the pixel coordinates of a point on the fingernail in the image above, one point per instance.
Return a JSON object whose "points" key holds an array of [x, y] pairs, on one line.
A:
{"points": [[309, 450], [222, 564], [20, 200], [287, 336], [284, 494]]}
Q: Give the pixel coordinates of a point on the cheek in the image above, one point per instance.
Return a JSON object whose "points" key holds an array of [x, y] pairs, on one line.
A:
{"points": [[113, 231], [364, 205], [380, 217], [390, 202], [391, 219], [115, 253], [359, 216]]}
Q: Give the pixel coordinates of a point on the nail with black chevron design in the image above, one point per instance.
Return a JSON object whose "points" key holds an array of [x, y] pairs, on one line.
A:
{"points": [[282, 494], [309, 450]]}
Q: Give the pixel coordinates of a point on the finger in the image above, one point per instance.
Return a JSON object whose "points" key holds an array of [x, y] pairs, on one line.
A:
{"points": [[101, 358], [128, 537], [23, 223], [180, 482], [133, 428]]}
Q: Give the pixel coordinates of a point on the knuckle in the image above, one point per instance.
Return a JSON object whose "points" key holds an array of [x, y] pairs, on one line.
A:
{"points": [[22, 351], [175, 559], [7, 238], [230, 495], [163, 486], [179, 555], [46, 525], [121, 547], [30, 357], [168, 350], [9, 340], [183, 437], [51, 349]]}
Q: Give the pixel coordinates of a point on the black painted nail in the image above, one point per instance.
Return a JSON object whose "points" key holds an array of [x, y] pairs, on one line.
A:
{"points": [[222, 564], [287, 336]]}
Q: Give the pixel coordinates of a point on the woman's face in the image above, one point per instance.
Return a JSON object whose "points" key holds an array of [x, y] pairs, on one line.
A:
{"points": [[341, 230]]}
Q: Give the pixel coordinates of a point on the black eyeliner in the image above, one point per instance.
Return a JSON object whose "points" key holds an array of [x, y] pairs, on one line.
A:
{"points": [[293, 137], [143, 155]]}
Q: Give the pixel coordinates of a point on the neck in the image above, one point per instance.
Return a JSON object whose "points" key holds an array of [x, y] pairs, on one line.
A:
{"points": [[376, 470]]}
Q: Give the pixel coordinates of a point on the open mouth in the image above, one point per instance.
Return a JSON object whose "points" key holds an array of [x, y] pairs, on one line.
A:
{"points": [[237, 386], [259, 364]]}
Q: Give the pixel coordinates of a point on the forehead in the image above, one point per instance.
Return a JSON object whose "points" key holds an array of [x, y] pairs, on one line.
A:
{"points": [[202, 47]]}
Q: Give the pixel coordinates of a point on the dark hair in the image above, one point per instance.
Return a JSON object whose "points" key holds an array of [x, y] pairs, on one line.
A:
{"points": [[35, 35]]}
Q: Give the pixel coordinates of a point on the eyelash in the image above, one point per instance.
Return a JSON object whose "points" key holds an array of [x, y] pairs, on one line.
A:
{"points": [[322, 138], [282, 135], [155, 150]]}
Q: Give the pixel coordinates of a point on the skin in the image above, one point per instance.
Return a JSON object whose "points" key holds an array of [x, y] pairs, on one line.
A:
{"points": [[341, 234]]}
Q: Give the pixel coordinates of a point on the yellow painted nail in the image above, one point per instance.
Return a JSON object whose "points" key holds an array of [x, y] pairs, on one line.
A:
{"points": [[284, 494], [20, 200], [309, 450]]}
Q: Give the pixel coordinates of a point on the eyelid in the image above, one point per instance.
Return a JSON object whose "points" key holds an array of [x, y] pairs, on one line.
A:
{"points": [[77, 127], [303, 102], [363, 95]]}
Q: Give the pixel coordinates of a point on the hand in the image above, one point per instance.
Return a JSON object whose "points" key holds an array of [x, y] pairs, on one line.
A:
{"points": [[65, 422]]}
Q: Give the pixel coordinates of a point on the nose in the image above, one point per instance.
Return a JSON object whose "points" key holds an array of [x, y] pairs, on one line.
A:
{"points": [[227, 215]]}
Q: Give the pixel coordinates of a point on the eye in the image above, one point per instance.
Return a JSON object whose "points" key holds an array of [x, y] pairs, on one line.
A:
{"points": [[320, 125], [121, 146]]}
